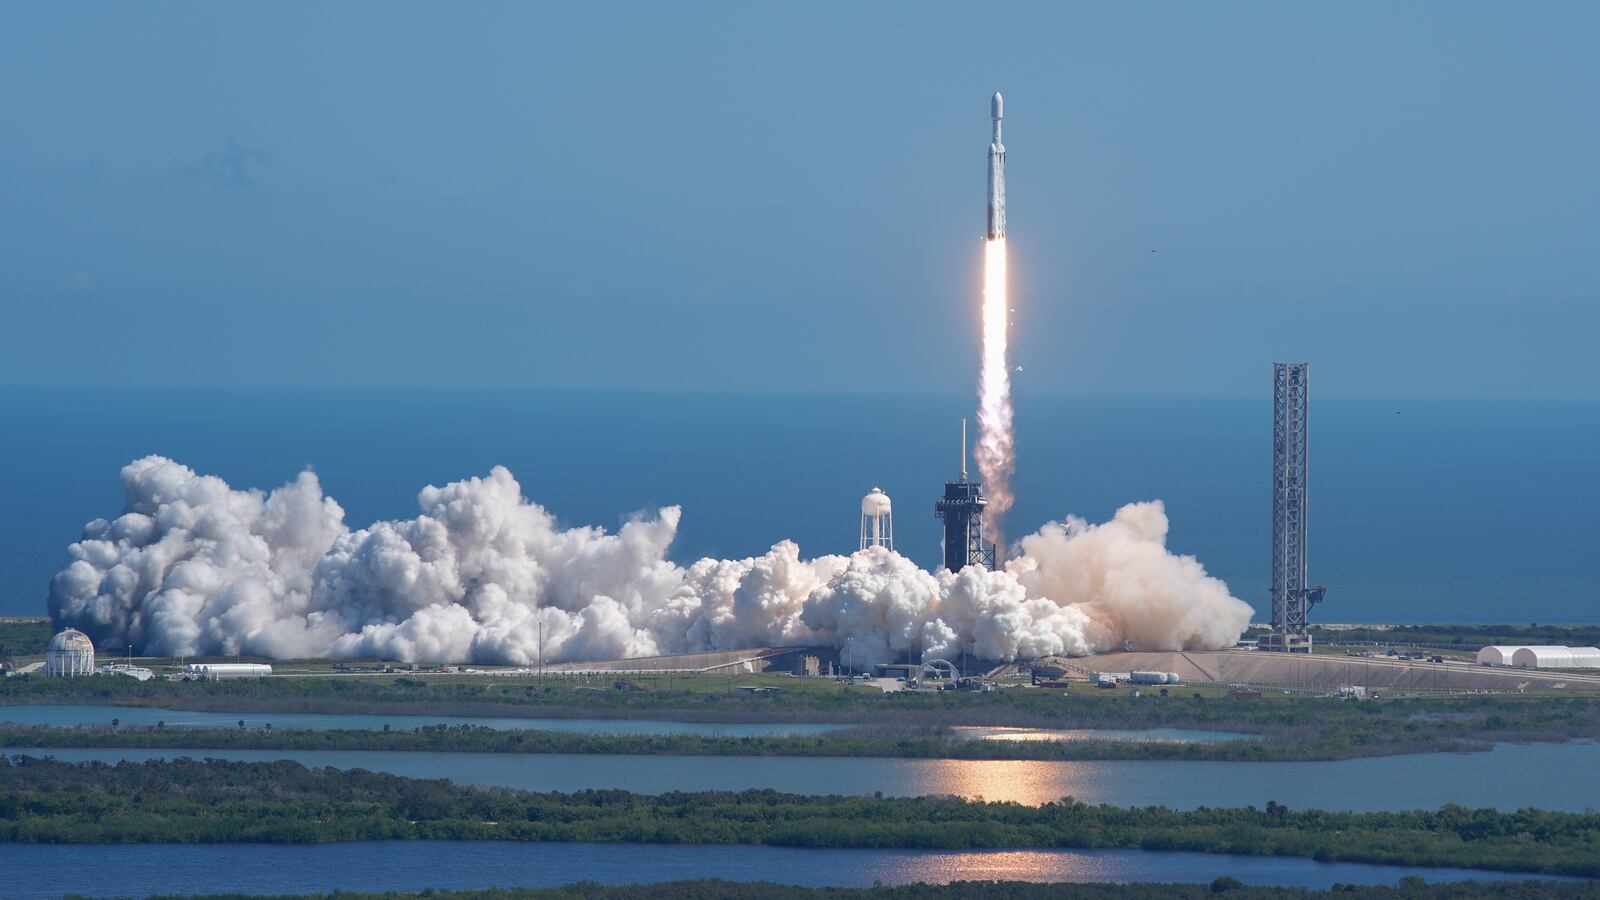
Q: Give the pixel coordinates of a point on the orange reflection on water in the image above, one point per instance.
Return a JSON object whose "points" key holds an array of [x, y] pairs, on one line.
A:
{"points": [[1019, 781], [1000, 733], [1003, 865]]}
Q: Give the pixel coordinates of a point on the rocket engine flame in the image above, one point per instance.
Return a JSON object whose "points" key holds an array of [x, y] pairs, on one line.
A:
{"points": [[996, 443]]}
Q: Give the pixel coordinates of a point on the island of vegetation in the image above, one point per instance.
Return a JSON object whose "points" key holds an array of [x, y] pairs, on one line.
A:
{"points": [[885, 741], [909, 724], [213, 801]]}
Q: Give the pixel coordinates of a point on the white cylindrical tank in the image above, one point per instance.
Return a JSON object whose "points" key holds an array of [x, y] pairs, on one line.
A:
{"points": [[1148, 677], [877, 520], [228, 671], [69, 654]]}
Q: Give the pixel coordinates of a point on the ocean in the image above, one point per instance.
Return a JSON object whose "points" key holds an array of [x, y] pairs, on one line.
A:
{"points": [[1420, 510]]}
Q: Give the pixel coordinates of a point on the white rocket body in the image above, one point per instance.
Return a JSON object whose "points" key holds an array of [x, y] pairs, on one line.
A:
{"points": [[997, 172]]}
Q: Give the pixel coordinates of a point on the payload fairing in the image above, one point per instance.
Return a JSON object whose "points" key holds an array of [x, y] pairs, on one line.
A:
{"points": [[997, 172]]}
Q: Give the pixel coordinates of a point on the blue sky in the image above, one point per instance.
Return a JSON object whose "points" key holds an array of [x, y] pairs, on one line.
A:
{"points": [[790, 197]]}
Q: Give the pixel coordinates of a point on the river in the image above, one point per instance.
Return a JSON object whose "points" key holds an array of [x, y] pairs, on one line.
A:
{"points": [[47, 871], [1549, 776]]}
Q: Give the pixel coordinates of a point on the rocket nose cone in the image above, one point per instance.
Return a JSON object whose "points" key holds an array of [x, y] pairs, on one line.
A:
{"points": [[997, 106]]}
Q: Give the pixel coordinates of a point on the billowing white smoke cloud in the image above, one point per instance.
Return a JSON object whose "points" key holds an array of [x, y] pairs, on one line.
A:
{"points": [[193, 567]]}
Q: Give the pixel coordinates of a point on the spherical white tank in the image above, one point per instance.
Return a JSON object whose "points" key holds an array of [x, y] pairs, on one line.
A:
{"points": [[69, 654]]}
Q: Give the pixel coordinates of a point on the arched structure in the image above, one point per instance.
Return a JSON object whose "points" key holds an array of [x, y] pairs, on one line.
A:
{"points": [[934, 667], [1540, 656], [1499, 655]]}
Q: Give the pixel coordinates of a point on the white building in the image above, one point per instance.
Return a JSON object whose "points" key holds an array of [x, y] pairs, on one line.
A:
{"points": [[227, 671], [1540, 656], [69, 654]]}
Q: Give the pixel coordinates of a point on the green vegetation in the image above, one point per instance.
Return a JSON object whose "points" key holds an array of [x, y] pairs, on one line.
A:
{"points": [[1467, 638], [184, 801], [1410, 888], [23, 637], [913, 742], [902, 724]]}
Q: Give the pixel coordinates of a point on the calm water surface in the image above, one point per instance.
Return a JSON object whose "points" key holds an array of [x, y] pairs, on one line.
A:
{"points": [[1146, 735], [1550, 776], [139, 715], [40, 871]]}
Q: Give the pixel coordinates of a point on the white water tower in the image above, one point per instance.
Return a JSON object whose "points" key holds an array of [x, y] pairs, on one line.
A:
{"points": [[877, 521]]}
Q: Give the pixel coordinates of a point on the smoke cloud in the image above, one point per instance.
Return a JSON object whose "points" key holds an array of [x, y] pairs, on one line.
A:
{"points": [[194, 567]]}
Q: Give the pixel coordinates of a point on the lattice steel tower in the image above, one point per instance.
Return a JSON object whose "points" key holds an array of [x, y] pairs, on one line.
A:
{"points": [[1292, 599], [961, 509]]}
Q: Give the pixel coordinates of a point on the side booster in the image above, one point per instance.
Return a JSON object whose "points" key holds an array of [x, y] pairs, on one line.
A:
{"points": [[997, 171]]}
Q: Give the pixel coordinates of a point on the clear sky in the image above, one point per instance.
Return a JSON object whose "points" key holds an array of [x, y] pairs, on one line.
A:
{"points": [[790, 196]]}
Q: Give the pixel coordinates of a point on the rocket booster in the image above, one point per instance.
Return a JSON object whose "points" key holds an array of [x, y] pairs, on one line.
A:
{"points": [[997, 172]]}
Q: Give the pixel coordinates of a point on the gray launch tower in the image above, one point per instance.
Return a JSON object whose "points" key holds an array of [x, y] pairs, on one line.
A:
{"points": [[1292, 599], [961, 509]]}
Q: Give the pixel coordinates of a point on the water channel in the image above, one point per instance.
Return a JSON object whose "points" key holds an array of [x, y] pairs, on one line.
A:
{"points": [[41, 871], [1549, 776]]}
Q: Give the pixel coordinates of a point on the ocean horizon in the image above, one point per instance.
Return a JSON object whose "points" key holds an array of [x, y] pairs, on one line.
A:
{"points": [[1421, 510]]}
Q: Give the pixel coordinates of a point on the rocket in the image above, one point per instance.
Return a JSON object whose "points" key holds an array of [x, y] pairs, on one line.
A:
{"points": [[997, 172]]}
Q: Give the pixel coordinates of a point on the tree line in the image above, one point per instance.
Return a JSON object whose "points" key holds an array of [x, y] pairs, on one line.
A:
{"points": [[214, 801]]}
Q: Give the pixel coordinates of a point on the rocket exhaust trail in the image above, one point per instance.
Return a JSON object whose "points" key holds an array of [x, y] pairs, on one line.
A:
{"points": [[995, 450]]}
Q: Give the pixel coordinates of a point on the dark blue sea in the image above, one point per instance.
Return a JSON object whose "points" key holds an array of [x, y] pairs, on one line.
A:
{"points": [[1421, 510]]}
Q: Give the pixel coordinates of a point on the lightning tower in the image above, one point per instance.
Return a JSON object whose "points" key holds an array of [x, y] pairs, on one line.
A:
{"points": [[1292, 599]]}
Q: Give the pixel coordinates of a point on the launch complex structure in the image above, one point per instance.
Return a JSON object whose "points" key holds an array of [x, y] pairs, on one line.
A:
{"points": [[1292, 598], [961, 509]]}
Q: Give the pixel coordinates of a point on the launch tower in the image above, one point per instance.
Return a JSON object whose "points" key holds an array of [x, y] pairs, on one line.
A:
{"points": [[1292, 599], [961, 509]]}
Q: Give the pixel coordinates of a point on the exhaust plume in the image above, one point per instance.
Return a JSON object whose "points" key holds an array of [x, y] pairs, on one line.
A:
{"points": [[995, 450], [194, 567]]}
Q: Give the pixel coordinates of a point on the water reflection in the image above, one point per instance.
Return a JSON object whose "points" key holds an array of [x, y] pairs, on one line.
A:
{"points": [[1012, 781], [47, 871], [1551, 776], [1146, 735]]}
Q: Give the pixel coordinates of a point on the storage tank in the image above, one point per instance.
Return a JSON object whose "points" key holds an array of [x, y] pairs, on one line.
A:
{"points": [[877, 520], [228, 671], [1148, 677], [69, 654]]}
